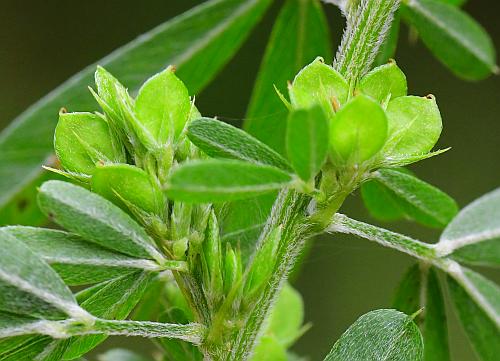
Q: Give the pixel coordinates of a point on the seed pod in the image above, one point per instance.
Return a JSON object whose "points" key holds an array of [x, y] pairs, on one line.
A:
{"points": [[414, 125], [83, 139], [384, 82], [163, 106], [212, 258], [124, 183], [262, 264], [358, 131], [319, 83], [233, 269]]}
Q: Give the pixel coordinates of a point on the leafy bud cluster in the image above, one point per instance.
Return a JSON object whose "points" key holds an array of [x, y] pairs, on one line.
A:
{"points": [[375, 125]]}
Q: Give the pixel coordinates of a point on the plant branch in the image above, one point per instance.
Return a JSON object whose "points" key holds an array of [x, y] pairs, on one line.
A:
{"points": [[410, 246], [289, 212], [192, 332], [423, 251]]}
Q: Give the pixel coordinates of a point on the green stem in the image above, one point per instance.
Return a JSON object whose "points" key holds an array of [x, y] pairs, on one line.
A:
{"points": [[192, 332], [289, 212], [423, 251], [410, 246], [367, 25]]}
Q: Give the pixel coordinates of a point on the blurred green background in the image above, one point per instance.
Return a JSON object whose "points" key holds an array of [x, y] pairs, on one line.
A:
{"points": [[45, 42]]}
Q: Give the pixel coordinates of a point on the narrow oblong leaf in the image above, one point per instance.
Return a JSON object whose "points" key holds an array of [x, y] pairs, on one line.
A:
{"points": [[377, 336], [221, 140], [114, 299], [78, 261], [300, 33], [456, 39], [224, 180], [473, 236], [95, 219], [29, 286], [420, 289], [307, 141], [199, 43], [418, 200], [477, 302]]}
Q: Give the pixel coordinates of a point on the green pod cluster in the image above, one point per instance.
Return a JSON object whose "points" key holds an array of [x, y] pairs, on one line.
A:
{"points": [[126, 153], [375, 124]]}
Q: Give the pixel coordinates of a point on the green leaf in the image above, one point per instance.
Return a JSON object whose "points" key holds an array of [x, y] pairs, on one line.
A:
{"points": [[269, 349], [319, 83], [125, 184], [307, 141], [95, 219], [384, 83], [27, 348], [120, 355], [377, 336], [381, 202], [22, 209], [456, 39], [83, 139], [414, 126], [358, 130], [224, 180], [28, 286], [114, 299], [77, 261], [473, 236], [477, 302], [416, 199], [300, 33], [199, 43], [420, 289], [221, 140], [163, 105], [243, 220]]}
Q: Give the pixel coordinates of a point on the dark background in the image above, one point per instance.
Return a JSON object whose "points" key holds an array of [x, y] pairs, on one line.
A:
{"points": [[44, 42]]}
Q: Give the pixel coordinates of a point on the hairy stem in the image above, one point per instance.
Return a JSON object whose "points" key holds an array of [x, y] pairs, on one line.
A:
{"points": [[423, 251], [367, 25], [410, 246], [289, 212], [192, 332]]}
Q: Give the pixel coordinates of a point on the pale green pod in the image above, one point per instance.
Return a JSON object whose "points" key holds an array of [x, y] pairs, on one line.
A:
{"points": [[124, 183], [163, 106], [414, 125], [319, 83], [358, 131], [384, 82], [83, 139]]}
